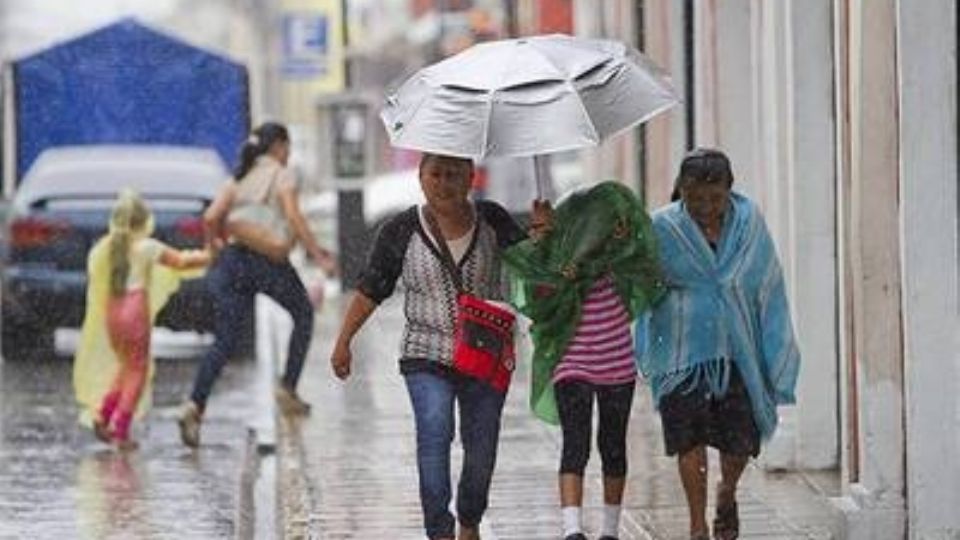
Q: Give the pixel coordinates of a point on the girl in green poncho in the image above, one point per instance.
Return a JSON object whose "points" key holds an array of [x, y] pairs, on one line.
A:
{"points": [[582, 284]]}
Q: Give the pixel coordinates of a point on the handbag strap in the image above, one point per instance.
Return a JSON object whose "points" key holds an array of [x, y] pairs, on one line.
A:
{"points": [[445, 256]]}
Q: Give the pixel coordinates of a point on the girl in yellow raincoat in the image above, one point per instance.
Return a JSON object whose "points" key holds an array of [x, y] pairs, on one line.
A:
{"points": [[131, 276]]}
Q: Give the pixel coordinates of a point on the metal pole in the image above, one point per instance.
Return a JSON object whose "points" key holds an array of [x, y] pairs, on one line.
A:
{"points": [[345, 41], [689, 73], [510, 12]]}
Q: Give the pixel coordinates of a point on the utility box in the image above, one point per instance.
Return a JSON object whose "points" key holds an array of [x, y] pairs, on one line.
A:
{"points": [[346, 142]]}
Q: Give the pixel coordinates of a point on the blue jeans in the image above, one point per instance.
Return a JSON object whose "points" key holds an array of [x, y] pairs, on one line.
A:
{"points": [[234, 280], [432, 396]]}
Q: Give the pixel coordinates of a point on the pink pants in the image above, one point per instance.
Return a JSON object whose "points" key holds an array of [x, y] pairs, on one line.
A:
{"points": [[128, 326]]}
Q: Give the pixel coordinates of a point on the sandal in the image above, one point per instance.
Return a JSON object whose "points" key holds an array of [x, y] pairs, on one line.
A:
{"points": [[726, 526]]}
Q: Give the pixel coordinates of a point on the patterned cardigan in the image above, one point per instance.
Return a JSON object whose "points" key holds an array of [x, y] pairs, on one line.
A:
{"points": [[404, 252]]}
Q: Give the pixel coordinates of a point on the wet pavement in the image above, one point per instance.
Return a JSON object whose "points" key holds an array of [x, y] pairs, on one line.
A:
{"points": [[349, 470], [57, 481]]}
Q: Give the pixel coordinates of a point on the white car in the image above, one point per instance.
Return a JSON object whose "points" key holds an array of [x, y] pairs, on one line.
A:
{"points": [[62, 207]]}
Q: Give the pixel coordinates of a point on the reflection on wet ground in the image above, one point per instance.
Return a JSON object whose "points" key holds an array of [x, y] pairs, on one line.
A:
{"points": [[58, 481]]}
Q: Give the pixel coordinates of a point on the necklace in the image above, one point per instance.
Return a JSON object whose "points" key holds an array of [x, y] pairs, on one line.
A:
{"points": [[712, 232]]}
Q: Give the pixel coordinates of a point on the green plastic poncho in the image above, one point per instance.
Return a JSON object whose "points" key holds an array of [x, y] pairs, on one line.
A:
{"points": [[598, 231]]}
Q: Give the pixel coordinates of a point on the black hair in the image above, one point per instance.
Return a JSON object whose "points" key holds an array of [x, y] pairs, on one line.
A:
{"points": [[703, 165], [259, 143], [427, 157]]}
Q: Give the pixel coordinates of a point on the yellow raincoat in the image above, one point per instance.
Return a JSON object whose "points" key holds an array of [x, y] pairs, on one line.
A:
{"points": [[96, 363]]}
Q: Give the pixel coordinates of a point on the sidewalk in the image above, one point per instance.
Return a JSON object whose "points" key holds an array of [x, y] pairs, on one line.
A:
{"points": [[349, 470]]}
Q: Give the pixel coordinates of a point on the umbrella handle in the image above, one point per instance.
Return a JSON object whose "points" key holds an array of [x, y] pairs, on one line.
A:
{"points": [[541, 179]]}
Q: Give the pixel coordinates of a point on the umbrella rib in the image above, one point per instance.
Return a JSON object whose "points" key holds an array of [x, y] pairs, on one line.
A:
{"points": [[659, 109], [547, 59], [569, 82], [579, 100]]}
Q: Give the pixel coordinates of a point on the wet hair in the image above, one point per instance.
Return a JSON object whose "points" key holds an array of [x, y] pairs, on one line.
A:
{"points": [[703, 166], [427, 157], [258, 144], [130, 216]]}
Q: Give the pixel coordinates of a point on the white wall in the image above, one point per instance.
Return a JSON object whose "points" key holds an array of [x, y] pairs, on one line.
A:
{"points": [[927, 47], [764, 88], [808, 197]]}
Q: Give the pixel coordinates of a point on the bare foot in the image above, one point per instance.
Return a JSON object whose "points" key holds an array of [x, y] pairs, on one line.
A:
{"points": [[101, 431], [726, 524], [468, 533], [126, 445]]}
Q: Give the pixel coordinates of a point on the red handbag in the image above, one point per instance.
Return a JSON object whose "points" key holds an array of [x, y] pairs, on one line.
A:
{"points": [[483, 341], [483, 331]]}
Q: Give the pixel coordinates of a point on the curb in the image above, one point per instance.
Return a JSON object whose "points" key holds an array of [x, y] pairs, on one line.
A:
{"points": [[256, 508], [258, 513], [246, 507], [295, 496]]}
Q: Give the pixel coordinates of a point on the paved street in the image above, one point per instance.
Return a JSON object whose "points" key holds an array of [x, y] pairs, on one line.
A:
{"points": [[349, 470], [57, 481]]}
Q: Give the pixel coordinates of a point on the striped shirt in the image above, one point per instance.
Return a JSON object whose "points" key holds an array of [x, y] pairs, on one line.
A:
{"points": [[601, 351]]}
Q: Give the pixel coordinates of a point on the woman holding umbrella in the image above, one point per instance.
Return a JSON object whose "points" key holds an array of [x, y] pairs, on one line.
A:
{"points": [[720, 351], [407, 251]]}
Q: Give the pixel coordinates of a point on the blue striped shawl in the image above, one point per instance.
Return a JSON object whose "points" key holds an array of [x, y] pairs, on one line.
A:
{"points": [[728, 304]]}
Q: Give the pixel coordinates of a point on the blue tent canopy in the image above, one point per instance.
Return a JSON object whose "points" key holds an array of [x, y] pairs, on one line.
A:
{"points": [[127, 83]]}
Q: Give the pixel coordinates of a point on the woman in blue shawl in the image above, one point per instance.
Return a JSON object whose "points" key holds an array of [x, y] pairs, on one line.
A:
{"points": [[719, 350]]}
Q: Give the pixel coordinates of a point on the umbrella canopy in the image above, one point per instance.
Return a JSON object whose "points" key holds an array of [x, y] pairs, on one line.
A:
{"points": [[524, 97]]}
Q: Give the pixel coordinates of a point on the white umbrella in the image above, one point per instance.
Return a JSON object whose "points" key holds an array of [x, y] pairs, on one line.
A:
{"points": [[525, 97]]}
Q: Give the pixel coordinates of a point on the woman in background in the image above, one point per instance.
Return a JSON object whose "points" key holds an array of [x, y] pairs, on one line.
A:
{"points": [[251, 225], [720, 351]]}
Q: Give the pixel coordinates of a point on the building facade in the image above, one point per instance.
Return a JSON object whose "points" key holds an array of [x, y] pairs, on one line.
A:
{"points": [[841, 121]]}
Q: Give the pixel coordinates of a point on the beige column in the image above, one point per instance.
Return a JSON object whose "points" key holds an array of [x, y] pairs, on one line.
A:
{"points": [[874, 504], [665, 134], [617, 158], [725, 86]]}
